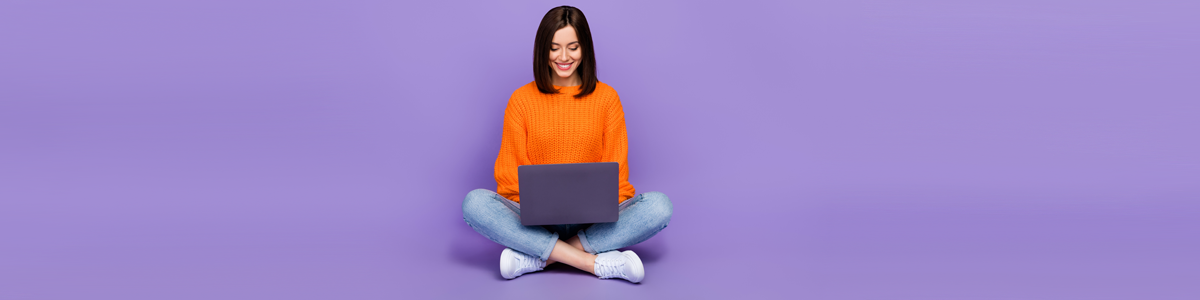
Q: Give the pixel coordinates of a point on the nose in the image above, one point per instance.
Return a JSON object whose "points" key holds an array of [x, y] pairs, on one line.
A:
{"points": [[563, 56]]}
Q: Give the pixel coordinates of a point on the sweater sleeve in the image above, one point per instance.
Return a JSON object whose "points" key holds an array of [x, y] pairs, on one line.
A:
{"points": [[512, 152], [616, 147]]}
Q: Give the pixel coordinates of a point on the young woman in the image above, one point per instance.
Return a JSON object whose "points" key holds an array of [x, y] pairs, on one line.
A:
{"points": [[565, 116]]}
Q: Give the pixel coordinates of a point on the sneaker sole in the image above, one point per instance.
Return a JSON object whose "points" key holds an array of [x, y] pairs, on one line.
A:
{"points": [[506, 259], [637, 263]]}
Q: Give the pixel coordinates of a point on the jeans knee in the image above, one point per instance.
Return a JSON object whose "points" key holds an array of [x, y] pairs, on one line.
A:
{"points": [[476, 203], [659, 206]]}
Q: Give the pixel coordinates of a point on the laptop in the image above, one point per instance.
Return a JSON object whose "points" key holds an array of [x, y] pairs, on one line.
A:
{"points": [[553, 194]]}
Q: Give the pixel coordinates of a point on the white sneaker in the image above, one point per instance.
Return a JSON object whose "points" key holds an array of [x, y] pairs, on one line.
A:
{"points": [[513, 263], [615, 264]]}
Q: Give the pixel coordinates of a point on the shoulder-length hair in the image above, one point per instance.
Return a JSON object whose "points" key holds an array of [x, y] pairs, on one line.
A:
{"points": [[556, 19]]}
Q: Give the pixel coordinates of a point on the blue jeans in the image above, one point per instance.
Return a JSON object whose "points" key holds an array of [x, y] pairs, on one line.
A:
{"points": [[499, 219]]}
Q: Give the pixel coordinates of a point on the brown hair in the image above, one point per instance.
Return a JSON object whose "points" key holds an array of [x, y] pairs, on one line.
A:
{"points": [[556, 19]]}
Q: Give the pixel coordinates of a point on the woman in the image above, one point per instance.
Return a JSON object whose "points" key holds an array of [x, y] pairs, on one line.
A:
{"points": [[565, 116]]}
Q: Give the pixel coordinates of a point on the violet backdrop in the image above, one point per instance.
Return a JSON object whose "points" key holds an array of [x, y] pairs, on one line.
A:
{"points": [[858, 149]]}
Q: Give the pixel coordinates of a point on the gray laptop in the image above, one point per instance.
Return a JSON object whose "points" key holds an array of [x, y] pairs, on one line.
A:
{"points": [[580, 193]]}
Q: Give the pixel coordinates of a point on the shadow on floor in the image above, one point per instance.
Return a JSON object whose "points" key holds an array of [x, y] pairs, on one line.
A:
{"points": [[471, 249], [651, 250]]}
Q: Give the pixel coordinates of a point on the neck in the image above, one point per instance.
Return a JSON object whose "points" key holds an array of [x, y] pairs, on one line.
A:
{"points": [[569, 81]]}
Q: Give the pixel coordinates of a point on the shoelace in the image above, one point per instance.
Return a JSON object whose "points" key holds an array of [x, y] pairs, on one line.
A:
{"points": [[528, 264], [610, 268]]}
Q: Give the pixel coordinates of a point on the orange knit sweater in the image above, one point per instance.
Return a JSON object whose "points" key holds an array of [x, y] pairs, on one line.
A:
{"points": [[557, 129]]}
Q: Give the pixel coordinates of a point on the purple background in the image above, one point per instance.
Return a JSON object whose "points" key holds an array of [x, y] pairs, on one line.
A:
{"points": [[813, 150]]}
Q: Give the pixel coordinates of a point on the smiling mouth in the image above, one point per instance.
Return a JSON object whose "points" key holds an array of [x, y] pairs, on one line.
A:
{"points": [[564, 67]]}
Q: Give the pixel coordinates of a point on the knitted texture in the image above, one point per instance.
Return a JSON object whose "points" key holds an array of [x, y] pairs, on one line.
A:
{"points": [[558, 129]]}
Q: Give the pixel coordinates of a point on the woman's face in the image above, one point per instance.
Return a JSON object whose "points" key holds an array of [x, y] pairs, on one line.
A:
{"points": [[565, 52]]}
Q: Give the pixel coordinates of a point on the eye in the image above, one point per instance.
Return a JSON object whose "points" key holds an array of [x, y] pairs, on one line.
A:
{"points": [[573, 49], [552, 49]]}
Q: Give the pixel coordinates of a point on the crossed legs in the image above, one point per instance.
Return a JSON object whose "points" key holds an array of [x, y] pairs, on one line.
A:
{"points": [[499, 220], [571, 252]]}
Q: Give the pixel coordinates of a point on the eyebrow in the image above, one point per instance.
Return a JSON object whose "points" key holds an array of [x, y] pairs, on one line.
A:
{"points": [[568, 44]]}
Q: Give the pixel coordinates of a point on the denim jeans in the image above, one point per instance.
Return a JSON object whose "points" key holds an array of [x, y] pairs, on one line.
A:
{"points": [[499, 219]]}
